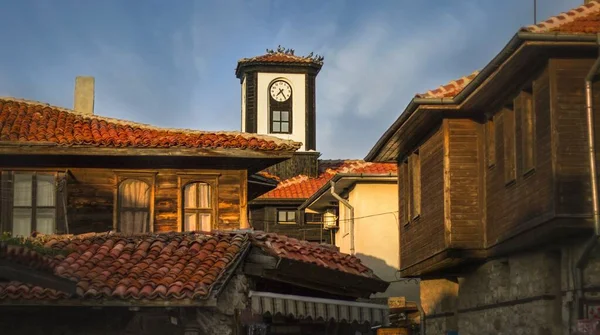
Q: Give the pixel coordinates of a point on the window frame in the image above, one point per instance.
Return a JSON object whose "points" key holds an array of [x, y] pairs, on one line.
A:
{"points": [[312, 222], [7, 207], [148, 177], [184, 179], [288, 211], [198, 210], [285, 106]]}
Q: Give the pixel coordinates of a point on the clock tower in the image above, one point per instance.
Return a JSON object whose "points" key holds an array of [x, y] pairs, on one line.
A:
{"points": [[279, 99]]}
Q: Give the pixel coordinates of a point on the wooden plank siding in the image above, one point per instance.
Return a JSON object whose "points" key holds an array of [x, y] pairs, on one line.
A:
{"points": [[92, 193], [570, 127], [481, 198], [264, 217], [423, 236], [462, 168], [518, 205]]}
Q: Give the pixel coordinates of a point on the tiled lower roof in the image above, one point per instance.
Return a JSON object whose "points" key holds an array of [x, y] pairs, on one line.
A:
{"points": [[162, 267], [32, 122], [310, 252], [170, 266], [302, 187], [17, 254]]}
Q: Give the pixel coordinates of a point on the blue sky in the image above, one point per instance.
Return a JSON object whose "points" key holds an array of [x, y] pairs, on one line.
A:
{"points": [[171, 63]]}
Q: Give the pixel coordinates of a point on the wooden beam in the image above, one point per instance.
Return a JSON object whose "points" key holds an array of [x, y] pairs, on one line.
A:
{"points": [[26, 148]]}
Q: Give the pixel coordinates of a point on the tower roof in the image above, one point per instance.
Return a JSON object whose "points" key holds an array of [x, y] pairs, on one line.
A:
{"points": [[280, 57]]}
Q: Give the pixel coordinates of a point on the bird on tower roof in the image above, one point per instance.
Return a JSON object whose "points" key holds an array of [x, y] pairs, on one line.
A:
{"points": [[281, 56]]}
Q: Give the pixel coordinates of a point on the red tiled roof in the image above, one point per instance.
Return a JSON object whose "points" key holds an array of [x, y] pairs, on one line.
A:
{"points": [[282, 56], [150, 266], [310, 252], [167, 266], [21, 255], [302, 187], [24, 121], [451, 89], [584, 19]]}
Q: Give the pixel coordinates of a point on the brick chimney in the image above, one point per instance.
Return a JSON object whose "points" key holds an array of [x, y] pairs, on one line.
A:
{"points": [[84, 95]]}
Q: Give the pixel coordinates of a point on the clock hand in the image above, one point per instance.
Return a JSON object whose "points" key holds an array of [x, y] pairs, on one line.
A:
{"points": [[281, 92]]}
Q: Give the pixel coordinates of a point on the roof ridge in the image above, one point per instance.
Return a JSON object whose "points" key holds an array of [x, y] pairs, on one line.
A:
{"points": [[562, 18]]}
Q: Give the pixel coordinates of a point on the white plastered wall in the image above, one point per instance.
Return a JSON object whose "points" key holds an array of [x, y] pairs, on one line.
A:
{"points": [[376, 234], [298, 83]]}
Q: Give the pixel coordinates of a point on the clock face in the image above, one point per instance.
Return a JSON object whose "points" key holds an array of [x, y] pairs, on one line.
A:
{"points": [[281, 91]]}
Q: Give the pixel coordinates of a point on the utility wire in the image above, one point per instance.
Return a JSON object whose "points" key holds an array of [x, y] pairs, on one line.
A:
{"points": [[339, 220]]}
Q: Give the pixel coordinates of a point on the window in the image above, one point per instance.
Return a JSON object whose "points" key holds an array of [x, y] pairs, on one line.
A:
{"points": [[280, 107], [510, 170], [286, 216], [528, 131], [33, 203], [134, 206], [414, 172], [198, 207], [313, 218], [280, 122], [490, 142]]}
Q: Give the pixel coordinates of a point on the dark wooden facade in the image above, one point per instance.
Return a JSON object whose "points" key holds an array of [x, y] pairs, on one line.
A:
{"points": [[91, 197], [86, 185], [507, 174], [263, 215], [301, 163]]}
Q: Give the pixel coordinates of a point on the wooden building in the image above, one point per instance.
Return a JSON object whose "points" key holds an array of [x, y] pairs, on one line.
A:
{"points": [[69, 171], [495, 198]]}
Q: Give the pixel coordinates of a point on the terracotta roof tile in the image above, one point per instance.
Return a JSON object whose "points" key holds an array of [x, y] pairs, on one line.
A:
{"points": [[282, 56], [21, 255], [302, 187], [310, 252], [150, 266], [451, 89], [24, 121], [167, 266], [584, 19]]}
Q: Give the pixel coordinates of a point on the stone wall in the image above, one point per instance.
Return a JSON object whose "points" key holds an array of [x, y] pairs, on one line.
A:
{"points": [[439, 302], [521, 294], [516, 295]]}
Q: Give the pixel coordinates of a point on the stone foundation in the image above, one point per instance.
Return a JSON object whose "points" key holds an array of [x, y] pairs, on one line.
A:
{"points": [[528, 293]]}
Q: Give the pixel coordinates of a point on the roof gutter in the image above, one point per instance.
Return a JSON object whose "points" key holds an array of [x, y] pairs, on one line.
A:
{"points": [[514, 43], [350, 208]]}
